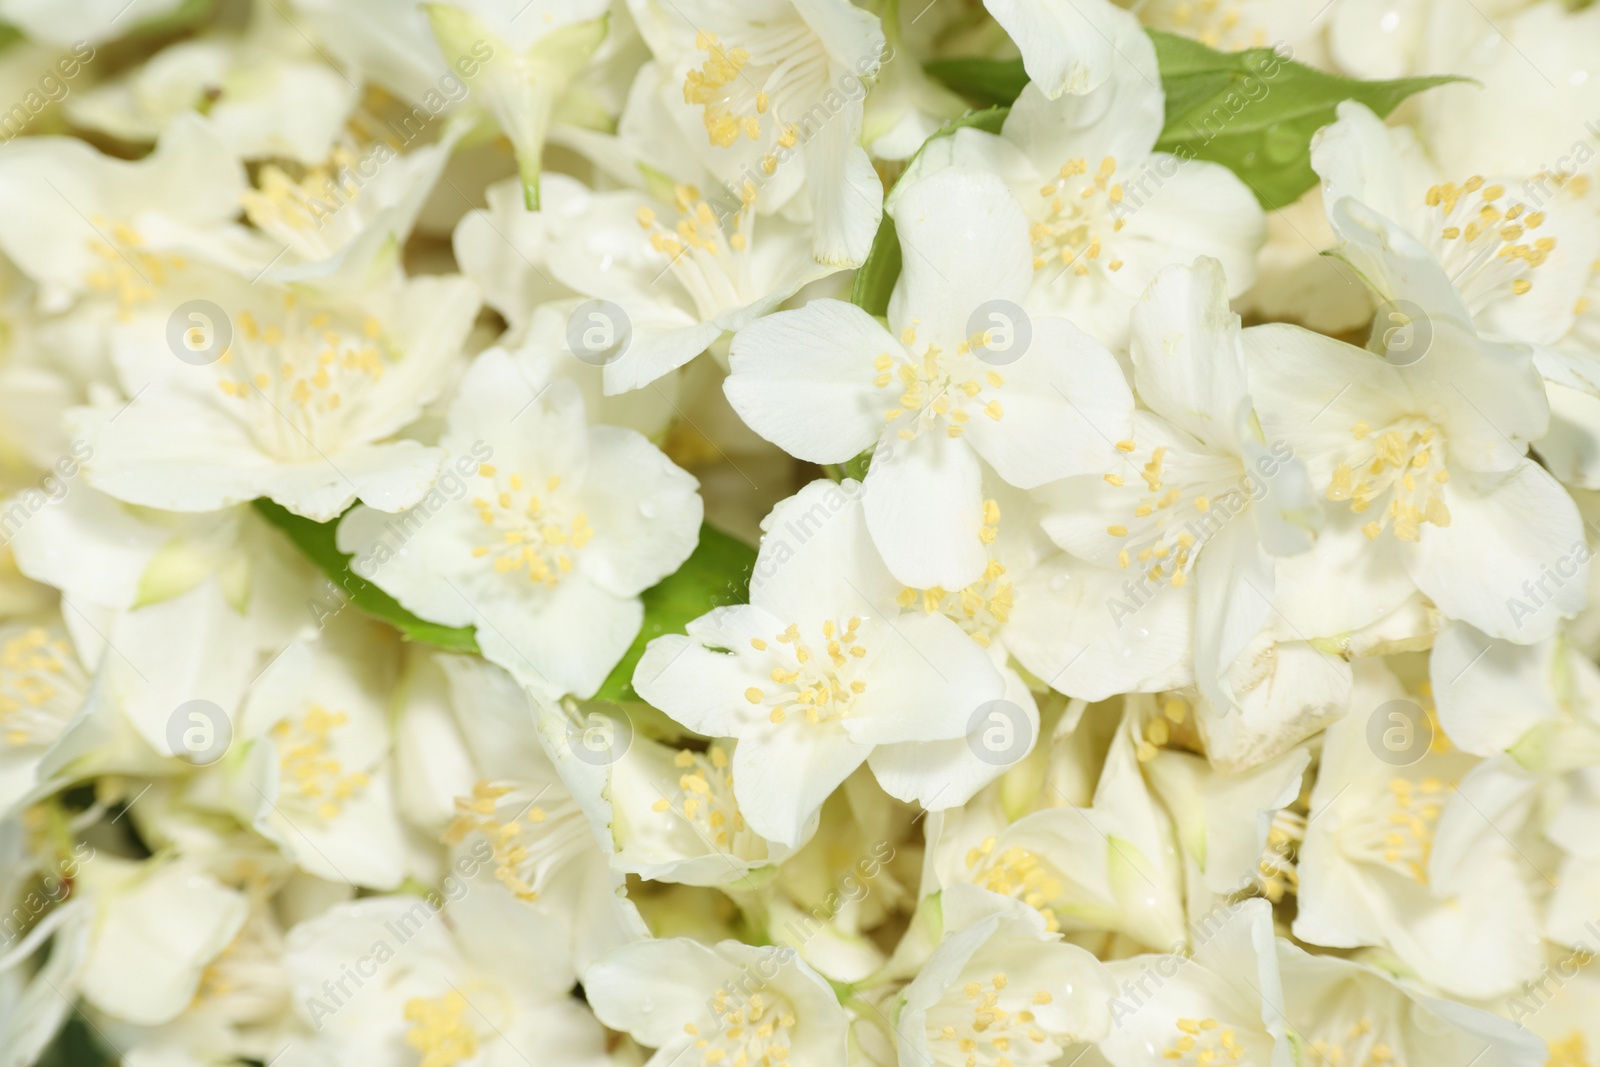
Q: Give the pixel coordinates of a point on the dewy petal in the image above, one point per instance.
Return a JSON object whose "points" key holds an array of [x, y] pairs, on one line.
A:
{"points": [[1188, 355], [781, 780], [701, 679], [568, 639], [1513, 561], [1121, 117], [1233, 601], [817, 559], [1355, 158], [1093, 632], [651, 989], [924, 508], [964, 243], [648, 506], [802, 379], [846, 193], [1490, 693], [1068, 46], [1064, 403], [926, 683]]}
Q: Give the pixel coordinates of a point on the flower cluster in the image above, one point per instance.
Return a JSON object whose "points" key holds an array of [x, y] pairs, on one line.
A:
{"points": [[799, 533]]}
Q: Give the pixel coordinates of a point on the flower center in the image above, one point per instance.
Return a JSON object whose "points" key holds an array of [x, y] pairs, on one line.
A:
{"points": [[1361, 1045], [941, 388], [525, 532], [1203, 1042], [1399, 833], [981, 608], [439, 1030], [1569, 1052], [819, 683], [994, 1025], [1487, 247], [1018, 873], [298, 380], [751, 89], [754, 1032], [528, 841], [705, 795], [128, 270], [1216, 24], [41, 686], [307, 769], [1407, 462], [1170, 522], [706, 252], [1074, 214]]}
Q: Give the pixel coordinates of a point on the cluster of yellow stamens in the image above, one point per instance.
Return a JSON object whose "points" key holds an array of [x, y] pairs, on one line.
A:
{"points": [[1016, 872], [1359, 1047], [1169, 556], [440, 1030], [1157, 731], [1571, 1051], [939, 387], [128, 269], [702, 249], [1278, 872], [754, 1033], [307, 769], [705, 795], [819, 686], [1406, 461], [981, 608], [515, 862], [1204, 1042], [299, 377], [1217, 24], [1485, 245], [38, 679], [308, 203], [729, 110], [525, 532], [1078, 210], [994, 1034]]}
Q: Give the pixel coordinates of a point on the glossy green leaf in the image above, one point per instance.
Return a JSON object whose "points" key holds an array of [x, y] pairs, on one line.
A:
{"points": [[993, 82], [1255, 112], [318, 542]]}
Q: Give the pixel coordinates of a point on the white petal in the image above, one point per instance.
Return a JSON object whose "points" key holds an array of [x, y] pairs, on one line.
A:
{"points": [[924, 508]]}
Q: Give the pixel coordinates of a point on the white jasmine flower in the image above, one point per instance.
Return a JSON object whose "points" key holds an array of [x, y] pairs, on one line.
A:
{"points": [[826, 382], [384, 980], [1201, 487], [770, 94], [820, 671], [1000, 988], [1369, 873], [684, 270], [1105, 210], [1429, 457], [561, 522], [318, 779], [42, 689], [1066, 48], [730, 1002]]}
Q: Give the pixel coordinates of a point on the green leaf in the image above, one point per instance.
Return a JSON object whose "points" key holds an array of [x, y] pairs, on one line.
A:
{"points": [[317, 541], [715, 574], [876, 276], [986, 81], [1255, 112]]}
